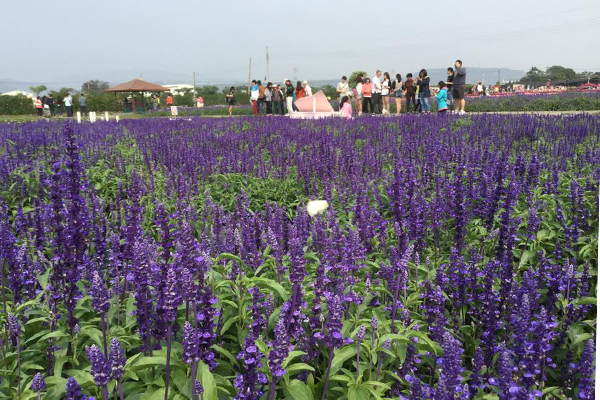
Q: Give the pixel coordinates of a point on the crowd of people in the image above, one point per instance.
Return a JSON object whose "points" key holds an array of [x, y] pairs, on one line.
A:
{"points": [[47, 106], [273, 99], [368, 95]]}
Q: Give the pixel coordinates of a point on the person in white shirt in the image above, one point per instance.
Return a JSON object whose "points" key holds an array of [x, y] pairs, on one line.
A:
{"points": [[385, 92], [343, 89], [307, 88], [69, 105], [358, 95], [376, 91]]}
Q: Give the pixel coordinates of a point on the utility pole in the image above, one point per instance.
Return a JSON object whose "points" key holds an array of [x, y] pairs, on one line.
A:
{"points": [[249, 74], [267, 76], [194, 74], [499, 77]]}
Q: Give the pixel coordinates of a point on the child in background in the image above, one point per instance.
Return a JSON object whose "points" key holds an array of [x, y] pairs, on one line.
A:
{"points": [[442, 97], [346, 108], [366, 94]]}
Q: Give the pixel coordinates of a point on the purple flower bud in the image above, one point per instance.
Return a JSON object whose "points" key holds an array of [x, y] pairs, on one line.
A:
{"points": [[360, 335], [73, 390], [38, 384]]}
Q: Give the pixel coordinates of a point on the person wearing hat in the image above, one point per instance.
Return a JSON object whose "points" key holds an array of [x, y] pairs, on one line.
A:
{"points": [[307, 88]]}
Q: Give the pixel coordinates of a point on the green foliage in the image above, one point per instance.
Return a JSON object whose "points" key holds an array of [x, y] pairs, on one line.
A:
{"points": [[352, 79], [208, 89], [38, 89], [94, 85], [16, 105]]}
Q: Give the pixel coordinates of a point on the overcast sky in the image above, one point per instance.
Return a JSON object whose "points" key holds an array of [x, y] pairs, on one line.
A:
{"points": [[70, 40]]}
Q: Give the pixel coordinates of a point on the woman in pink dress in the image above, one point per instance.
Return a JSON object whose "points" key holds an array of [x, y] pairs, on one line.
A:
{"points": [[346, 108]]}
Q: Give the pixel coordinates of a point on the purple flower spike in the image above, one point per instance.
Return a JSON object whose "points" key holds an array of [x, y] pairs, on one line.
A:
{"points": [[117, 360], [38, 384], [191, 345], [99, 294], [73, 390], [100, 367]]}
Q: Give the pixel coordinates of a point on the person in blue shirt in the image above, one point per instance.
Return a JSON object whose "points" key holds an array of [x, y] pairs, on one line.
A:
{"points": [[442, 97], [254, 97]]}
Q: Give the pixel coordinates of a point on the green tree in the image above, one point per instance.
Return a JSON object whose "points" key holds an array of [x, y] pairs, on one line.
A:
{"points": [[94, 85], [558, 73], [37, 89], [352, 80], [329, 91], [534, 76], [209, 89]]}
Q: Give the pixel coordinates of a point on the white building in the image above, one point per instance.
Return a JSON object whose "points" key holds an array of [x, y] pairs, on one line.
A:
{"points": [[20, 92], [179, 88]]}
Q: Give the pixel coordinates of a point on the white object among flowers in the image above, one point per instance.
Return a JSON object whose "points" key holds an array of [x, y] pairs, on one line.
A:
{"points": [[315, 207]]}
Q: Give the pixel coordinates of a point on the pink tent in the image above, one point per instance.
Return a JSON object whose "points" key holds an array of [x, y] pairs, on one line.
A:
{"points": [[316, 103]]}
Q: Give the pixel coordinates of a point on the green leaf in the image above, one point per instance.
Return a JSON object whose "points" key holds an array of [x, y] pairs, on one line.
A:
{"points": [[228, 323], [291, 356], [581, 338], [358, 393], [208, 382], [341, 356], [149, 362], [182, 382], [158, 395], [585, 300], [271, 284], [225, 353], [299, 367], [298, 390]]}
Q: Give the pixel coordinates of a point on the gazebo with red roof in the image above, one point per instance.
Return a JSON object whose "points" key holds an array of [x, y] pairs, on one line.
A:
{"points": [[136, 86]]}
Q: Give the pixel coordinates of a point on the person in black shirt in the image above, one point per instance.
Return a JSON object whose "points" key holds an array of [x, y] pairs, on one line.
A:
{"points": [[449, 84]]}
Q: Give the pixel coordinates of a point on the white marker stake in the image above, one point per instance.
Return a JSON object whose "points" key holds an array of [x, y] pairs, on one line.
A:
{"points": [[78, 117], [106, 118], [91, 115], [117, 118]]}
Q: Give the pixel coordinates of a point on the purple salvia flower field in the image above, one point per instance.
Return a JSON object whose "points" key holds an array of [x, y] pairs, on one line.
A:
{"points": [[175, 258]]}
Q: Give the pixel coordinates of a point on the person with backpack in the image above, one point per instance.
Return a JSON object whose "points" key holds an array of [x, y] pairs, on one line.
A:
{"points": [[409, 91], [397, 90]]}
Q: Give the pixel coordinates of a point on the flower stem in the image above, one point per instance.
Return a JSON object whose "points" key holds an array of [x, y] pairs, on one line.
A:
{"points": [[357, 360], [120, 387], [18, 366], [168, 367], [327, 376], [103, 323], [273, 388], [193, 379], [105, 392]]}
